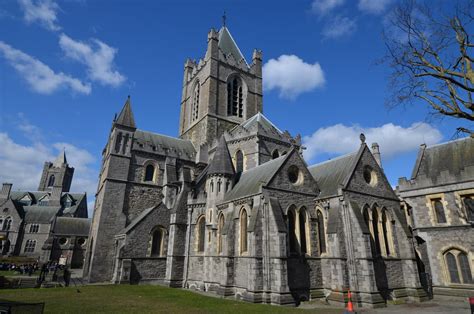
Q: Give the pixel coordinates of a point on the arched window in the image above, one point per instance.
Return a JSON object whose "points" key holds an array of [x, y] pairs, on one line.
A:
{"points": [[386, 234], [375, 228], [468, 202], [219, 186], [321, 233], [125, 143], [227, 185], [157, 236], [220, 228], [201, 233], [7, 225], [457, 263], [149, 173], [304, 230], [30, 246], [235, 101], [118, 142], [239, 161], [212, 186], [439, 210], [243, 231], [465, 268], [292, 230], [51, 180], [195, 110], [275, 154]]}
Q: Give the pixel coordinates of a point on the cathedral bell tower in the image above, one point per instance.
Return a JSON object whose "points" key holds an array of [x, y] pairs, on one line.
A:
{"points": [[56, 174], [220, 91]]}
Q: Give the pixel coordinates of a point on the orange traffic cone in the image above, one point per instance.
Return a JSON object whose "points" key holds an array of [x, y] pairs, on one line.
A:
{"points": [[350, 307]]}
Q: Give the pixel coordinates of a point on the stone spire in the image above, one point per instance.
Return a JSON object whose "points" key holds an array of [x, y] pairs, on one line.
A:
{"points": [[222, 162], [125, 117], [61, 159]]}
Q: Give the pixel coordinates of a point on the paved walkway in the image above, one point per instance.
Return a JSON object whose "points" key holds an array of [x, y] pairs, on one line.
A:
{"points": [[436, 306]]}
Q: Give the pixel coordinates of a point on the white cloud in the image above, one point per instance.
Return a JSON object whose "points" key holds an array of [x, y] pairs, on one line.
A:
{"points": [[43, 12], [323, 7], [38, 75], [22, 164], [292, 76], [393, 139], [339, 26], [373, 6], [97, 56]]}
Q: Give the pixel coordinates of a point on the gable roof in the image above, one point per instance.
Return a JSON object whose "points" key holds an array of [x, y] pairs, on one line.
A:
{"points": [[228, 46], [261, 120], [331, 174], [139, 218], [125, 117], [251, 180], [221, 162], [72, 226], [171, 146], [40, 214], [453, 156]]}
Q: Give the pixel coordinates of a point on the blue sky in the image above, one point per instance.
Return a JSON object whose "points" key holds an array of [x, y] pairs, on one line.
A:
{"points": [[66, 67]]}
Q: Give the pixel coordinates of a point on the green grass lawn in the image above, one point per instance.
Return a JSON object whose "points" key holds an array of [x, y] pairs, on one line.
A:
{"points": [[139, 299]]}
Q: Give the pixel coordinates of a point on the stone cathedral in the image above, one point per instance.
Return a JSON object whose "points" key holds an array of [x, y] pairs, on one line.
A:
{"points": [[230, 206]]}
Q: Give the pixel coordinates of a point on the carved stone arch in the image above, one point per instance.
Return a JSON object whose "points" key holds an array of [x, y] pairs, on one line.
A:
{"points": [[236, 92], [158, 235], [243, 230], [460, 265], [321, 227], [200, 233], [150, 174]]}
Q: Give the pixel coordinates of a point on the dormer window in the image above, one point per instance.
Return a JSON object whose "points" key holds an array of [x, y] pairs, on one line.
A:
{"points": [[44, 201], [235, 102]]}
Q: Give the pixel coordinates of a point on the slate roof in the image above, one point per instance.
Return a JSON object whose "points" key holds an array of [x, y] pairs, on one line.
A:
{"points": [[332, 173], [262, 121], [40, 214], [251, 180], [174, 147], [227, 45], [72, 226], [453, 156], [221, 162], [138, 219], [125, 117]]}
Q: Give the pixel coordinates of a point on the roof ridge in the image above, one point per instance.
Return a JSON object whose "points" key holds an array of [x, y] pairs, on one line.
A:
{"points": [[333, 159], [448, 142]]}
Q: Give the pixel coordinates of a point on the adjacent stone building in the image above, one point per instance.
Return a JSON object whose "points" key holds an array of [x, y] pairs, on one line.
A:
{"points": [[438, 200], [231, 206], [38, 224]]}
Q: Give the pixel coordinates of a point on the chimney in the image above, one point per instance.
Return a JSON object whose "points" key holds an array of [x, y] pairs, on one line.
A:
{"points": [[6, 189], [376, 153]]}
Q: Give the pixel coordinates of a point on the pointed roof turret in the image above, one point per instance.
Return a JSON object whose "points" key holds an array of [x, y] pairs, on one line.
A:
{"points": [[222, 162], [125, 117], [61, 159], [227, 45]]}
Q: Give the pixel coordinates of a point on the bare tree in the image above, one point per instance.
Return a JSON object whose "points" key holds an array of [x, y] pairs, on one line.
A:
{"points": [[430, 54]]}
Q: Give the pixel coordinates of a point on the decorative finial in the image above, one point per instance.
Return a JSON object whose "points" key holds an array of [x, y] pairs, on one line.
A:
{"points": [[362, 138], [128, 96], [224, 18]]}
